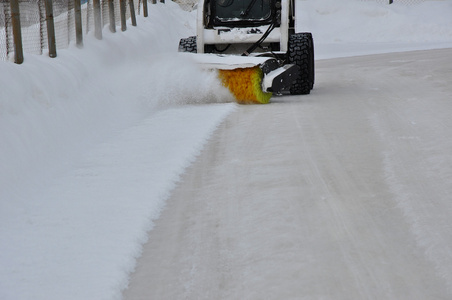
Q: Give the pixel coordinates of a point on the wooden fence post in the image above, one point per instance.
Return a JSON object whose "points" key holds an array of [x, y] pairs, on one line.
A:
{"points": [[122, 12], [17, 32], [132, 13], [97, 20], [145, 8], [50, 28], [78, 24], [111, 12]]}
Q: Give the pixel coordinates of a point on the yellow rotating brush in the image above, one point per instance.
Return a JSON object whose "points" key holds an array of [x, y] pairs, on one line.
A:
{"points": [[245, 84]]}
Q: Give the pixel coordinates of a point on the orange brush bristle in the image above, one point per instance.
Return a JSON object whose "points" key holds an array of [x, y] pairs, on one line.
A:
{"points": [[245, 85]]}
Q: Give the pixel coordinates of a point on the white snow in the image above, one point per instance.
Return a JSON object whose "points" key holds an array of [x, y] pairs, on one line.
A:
{"points": [[352, 27], [93, 141]]}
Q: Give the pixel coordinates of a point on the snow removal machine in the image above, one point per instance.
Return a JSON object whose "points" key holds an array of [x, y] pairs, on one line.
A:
{"points": [[254, 47]]}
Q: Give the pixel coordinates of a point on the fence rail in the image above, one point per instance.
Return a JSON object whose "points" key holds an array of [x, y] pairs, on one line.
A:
{"points": [[38, 26]]}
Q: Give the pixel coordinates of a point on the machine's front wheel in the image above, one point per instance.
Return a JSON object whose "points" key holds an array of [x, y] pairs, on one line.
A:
{"points": [[301, 53], [188, 44]]}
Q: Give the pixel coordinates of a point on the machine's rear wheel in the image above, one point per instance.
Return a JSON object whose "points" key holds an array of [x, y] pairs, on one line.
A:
{"points": [[188, 44], [301, 53], [311, 58]]}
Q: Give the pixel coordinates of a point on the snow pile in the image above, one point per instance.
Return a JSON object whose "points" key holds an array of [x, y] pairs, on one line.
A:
{"points": [[351, 27], [50, 106], [92, 142]]}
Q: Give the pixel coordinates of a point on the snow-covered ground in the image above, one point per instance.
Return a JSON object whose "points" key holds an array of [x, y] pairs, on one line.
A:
{"points": [[92, 142]]}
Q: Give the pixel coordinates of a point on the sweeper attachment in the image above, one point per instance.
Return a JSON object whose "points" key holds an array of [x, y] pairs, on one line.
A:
{"points": [[254, 47]]}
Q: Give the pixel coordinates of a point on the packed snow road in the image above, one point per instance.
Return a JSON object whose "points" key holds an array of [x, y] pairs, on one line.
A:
{"points": [[342, 194]]}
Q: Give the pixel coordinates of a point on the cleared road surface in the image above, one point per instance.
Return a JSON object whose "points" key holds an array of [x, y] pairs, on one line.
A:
{"points": [[342, 194]]}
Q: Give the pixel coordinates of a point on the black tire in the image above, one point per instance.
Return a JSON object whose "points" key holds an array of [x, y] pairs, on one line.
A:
{"points": [[311, 58], [301, 52], [188, 45]]}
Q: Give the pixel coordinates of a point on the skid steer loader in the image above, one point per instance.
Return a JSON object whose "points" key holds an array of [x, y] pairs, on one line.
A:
{"points": [[254, 46]]}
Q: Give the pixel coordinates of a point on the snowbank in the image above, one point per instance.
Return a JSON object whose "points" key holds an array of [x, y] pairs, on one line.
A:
{"points": [[351, 27], [50, 106], [92, 142]]}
